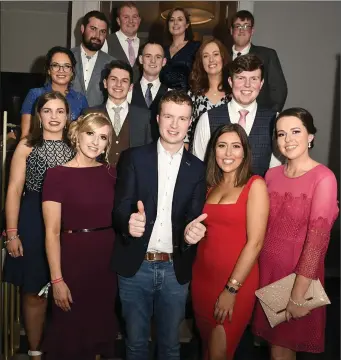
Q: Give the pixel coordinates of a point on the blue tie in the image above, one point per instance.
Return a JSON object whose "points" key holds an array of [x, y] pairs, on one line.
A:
{"points": [[148, 96]]}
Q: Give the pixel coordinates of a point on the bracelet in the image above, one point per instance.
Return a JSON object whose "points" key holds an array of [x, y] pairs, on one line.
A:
{"points": [[11, 238], [296, 303], [55, 281], [235, 282], [11, 229]]}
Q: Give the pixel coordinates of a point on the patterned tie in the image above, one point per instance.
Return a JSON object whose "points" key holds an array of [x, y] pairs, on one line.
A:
{"points": [[117, 119], [148, 96], [131, 51], [242, 118]]}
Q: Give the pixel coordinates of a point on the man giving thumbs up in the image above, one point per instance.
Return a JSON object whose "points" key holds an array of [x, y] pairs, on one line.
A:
{"points": [[160, 194]]}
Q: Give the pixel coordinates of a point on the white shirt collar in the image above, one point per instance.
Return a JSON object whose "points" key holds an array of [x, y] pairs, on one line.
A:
{"points": [[124, 105], [83, 52], [243, 51], [161, 149], [120, 34], [144, 82], [235, 106]]}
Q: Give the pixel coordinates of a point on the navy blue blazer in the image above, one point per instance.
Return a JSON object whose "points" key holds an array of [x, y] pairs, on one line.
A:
{"points": [[137, 179]]}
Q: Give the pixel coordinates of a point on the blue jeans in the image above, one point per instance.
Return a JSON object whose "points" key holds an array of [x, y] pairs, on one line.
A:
{"points": [[154, 289]]}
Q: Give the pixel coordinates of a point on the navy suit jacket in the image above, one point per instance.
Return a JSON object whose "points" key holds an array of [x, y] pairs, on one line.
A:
{"points": [[137, 179], [274, 91]]}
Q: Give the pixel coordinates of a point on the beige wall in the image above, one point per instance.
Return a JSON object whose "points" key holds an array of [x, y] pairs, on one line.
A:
{"points": [[28, 30], [306, 36]]}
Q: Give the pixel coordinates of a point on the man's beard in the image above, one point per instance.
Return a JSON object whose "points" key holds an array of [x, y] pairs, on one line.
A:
{"points": [[92, 46]]}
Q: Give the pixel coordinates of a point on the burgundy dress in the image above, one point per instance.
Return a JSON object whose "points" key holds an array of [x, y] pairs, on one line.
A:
{"points": [[302, 213], [87, 196], [216, 258]]}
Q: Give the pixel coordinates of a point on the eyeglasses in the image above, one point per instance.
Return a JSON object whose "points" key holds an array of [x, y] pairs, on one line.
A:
{"points": [[56, 67], [242, 27]]}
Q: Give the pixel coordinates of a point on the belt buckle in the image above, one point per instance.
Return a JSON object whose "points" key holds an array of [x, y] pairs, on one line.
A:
{"points": [[151, 256]]}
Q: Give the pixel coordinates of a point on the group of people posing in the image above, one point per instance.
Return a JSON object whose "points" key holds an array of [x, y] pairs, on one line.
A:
{"points": [[150, 186]]}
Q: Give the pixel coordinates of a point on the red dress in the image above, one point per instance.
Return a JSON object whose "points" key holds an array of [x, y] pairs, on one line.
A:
{"points": [[216, 258], [302, 212], [87, 197]]}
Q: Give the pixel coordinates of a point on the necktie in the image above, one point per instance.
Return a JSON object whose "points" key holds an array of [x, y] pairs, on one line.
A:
{"points": [[242, 118], [238, 54], [88, 57], [131, 51], [148, 96], [117, 119]]}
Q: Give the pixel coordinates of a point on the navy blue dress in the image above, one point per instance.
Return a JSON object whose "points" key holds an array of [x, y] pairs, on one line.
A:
{"points": [[31, 272], [175, 74]]}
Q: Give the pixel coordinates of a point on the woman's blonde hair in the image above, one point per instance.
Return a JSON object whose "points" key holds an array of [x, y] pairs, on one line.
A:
{"points": [[90, 122]]}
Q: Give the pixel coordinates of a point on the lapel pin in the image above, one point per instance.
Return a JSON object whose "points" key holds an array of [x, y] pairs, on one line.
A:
{"points": [[188, 163]]}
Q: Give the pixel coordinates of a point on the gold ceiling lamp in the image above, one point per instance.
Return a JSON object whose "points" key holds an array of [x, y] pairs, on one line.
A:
{"points": [[201, 12]]}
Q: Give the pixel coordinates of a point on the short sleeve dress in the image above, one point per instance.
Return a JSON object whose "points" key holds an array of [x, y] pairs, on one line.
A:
{"points": [[90, 328]]}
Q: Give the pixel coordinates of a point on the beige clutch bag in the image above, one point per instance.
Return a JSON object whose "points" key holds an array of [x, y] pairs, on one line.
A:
{"points": [[274, 298]]}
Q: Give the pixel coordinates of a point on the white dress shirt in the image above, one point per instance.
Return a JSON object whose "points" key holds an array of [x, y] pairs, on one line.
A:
{"points": [[202, 133], [161, 239], [88, 66], [123, 113], [144, 86], [242, 52], [124, 43]]}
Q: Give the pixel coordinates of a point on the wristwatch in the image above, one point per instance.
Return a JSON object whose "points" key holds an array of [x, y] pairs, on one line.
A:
{"points": [[231, 289]]}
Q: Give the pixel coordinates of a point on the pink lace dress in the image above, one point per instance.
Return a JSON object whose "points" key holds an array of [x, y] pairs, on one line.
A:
{"points": [[302, 213]]}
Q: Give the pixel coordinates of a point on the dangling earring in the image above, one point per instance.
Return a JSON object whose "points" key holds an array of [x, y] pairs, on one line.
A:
{"points": [[40, 124], [309, 145]]}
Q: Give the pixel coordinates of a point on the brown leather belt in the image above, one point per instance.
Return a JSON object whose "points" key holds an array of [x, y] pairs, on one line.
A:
{"points": [[86, 230], [151, 256]]}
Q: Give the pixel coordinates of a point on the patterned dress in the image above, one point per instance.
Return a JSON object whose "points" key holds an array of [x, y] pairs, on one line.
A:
{"points": [[31, 271], [201, 104], [302, 213]]}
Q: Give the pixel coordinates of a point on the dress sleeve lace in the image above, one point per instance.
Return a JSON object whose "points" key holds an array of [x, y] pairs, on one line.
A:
{"points": [[324, 211]]}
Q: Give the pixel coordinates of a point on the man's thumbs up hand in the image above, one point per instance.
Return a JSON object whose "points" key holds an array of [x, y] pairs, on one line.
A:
{"points": [[137, 221], [195, 231]]}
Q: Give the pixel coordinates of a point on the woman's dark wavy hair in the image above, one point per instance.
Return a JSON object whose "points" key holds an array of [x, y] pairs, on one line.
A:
{"points": [[35, 136], [48, 59], [188, 33], [214, 174], [198, 79], [302, 114]]}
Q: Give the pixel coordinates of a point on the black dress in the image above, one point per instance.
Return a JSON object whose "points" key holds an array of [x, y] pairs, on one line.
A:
{"points": [[31, 271], [175, 74]]}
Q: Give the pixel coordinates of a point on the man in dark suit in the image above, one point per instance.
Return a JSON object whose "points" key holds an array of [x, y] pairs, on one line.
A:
{"points": [[131, 124], [274, 91], [246, 81], [160, 193], [124, 44], [90, 59], [147, 92]]}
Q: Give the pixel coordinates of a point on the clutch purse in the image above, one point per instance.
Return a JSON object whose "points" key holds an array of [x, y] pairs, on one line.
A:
{"points": [[274, 298]]}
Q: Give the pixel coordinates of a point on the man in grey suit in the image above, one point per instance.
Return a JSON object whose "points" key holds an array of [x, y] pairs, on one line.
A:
{"points": [[131, 124], [124, 44], [90, 59], [274, 91]]}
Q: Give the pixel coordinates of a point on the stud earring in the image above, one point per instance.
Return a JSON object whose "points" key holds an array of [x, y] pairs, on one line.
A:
{"points": [[309, 145]]}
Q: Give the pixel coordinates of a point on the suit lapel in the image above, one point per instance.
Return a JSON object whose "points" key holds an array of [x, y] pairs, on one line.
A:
{"points": [[79, 67], [181, 180], [152, 171]]}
